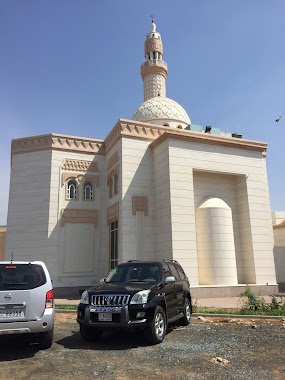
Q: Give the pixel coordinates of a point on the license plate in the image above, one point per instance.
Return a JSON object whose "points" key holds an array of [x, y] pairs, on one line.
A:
{"points": [[11, 313], [105, 317]]}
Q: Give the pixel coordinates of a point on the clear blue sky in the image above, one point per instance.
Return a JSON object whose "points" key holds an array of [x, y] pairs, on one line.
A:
{"points": [[73, 67]]}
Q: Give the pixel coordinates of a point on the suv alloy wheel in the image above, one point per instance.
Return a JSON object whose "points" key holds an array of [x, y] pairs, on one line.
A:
{"points": [[185, 320], [155, 333]]}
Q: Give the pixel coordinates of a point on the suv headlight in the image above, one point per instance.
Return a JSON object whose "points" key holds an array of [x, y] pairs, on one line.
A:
{"points": [[84, 297], [140, 297]]}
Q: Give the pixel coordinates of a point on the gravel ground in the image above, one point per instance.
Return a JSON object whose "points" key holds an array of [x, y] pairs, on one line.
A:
{"points": [[250, 349]]}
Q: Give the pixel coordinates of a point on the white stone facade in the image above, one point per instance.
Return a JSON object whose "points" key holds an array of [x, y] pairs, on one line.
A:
{"points": [[163, 178]]}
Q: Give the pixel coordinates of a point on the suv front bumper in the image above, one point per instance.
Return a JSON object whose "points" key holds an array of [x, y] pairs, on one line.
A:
{"points": [[123, 316]]}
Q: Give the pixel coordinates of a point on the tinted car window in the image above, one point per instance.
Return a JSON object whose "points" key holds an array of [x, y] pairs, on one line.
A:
{"points": [[181, 272], [174, 272], [21, 276], [135, 273]]}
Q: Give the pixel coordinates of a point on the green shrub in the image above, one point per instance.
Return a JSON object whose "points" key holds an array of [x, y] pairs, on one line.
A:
{"points": [[253, 303]]}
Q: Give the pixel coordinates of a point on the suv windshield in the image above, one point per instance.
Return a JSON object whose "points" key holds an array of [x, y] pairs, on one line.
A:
{"points": [[21, 276], [135, 272]]}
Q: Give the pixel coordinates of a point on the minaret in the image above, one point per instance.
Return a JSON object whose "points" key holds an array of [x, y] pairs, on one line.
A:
{"points": [[157, 108], [154, 70]]}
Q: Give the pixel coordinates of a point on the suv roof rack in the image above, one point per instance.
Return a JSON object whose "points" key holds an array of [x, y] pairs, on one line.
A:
{"points": [[172, 260]]}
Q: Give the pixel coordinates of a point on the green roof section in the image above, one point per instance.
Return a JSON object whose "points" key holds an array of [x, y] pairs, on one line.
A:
{"points": [[193, 127], [211, 130]]}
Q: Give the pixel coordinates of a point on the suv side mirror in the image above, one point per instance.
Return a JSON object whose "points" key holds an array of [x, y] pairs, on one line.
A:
{"points": [[170, 280]]}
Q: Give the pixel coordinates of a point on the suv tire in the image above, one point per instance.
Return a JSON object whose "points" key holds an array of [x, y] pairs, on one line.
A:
{"points": [[185, 320], [90, 333], [155, 333], [45, 339]]}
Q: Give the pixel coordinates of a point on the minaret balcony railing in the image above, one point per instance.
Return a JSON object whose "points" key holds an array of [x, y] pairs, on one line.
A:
{"points": [[154, 66], [155, 62]]}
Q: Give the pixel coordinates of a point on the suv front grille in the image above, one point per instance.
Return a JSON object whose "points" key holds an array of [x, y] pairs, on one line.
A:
{"points": [[110, 300]]}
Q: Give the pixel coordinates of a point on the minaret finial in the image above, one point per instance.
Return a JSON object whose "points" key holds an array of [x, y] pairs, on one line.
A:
{"points": [[153, 26]]}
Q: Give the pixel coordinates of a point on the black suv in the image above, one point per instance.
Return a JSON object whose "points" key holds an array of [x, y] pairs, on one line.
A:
{"points": [[140, 294]]}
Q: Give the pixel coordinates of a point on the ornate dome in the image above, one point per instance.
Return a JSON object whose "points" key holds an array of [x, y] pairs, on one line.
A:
{"points": [[160, 108]]}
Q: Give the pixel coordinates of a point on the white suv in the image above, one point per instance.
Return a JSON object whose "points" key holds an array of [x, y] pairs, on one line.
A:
{"points": [[26, 300]]}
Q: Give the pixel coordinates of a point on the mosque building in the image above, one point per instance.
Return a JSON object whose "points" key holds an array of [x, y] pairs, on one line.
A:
{"points": [[157, 187]]}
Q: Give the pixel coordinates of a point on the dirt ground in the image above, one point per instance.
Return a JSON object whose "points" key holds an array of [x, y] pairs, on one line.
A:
{"points": [[209, 348]]}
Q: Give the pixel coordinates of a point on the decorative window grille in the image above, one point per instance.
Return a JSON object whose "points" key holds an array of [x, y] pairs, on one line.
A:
{"points": [[88, 191], [71, 190]]}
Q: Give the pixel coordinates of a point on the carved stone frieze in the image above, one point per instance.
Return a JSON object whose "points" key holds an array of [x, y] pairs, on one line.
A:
{"points": [[132, 129], [80, 165], [140, 204], [58, 142], [69, 215], [113, 213]]}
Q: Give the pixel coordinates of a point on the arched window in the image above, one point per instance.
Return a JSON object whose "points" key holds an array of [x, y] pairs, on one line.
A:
{"points": [[115, 184], [88, 191], [179, 126], [111, 187], [71, 190]]}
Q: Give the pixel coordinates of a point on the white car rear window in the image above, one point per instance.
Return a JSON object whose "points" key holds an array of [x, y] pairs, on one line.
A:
{"points": [[21, 276]]}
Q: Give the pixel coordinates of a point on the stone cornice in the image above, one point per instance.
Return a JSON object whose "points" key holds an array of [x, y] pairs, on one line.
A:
{"points": [[154, 133], [57, 142], [159, 134], [206, 138], [280, 225], [134, 129]]}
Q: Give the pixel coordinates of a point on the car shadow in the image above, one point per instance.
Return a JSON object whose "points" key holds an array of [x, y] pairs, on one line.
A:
{"points": [[109, 340], [14, 347]]}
